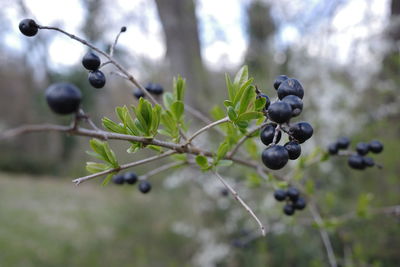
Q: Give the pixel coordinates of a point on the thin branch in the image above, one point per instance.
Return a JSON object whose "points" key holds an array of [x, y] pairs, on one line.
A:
{"points": [[205, 128], [162, 169], [200, 116], [122, 167], [237, 197], [115, 43], [119, 74], [244, 138], [324, 235]]}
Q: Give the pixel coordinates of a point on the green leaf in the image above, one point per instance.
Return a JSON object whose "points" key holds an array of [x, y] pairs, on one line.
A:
{"points": [[202, 161], [98, 148], [94, 154], [222, 150], [242, 124], [168, 99], [224, 163], [155, 123], [228, 103], [112, 126], [230, 87], [247, 97], [121, 113], [108, 178], [241, 76], [246, 86], [133, 148], [250, 116], [177, 110], [94, 167], [259, 104], [232, 114], [111, 158], [179, 88]]}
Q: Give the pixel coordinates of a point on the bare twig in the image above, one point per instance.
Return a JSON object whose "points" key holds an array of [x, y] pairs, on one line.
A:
{"points": [[122, 167], [119, 74], [324, 235], [205, 128], [115, 43], [237, 197], [200, 116]]}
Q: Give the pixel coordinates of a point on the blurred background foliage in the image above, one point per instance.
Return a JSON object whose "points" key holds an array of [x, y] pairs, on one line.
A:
{"points": [[345, 53]]}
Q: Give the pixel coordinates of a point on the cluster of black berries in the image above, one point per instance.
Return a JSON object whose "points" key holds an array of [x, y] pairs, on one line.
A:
{"points": [[358, 159], [290, 104], [131, 179], [152, 88], [293, 200], [92, 62]]}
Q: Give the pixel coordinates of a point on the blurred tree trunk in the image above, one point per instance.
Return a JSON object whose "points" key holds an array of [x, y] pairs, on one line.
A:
{"points": [[179, 22]]}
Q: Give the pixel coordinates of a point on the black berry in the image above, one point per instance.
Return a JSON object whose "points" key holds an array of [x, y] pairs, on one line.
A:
{"points": [[28, 27], [280, 112], [63, 98], [301, 131], [375, 146], [333, 149], [275, 157], [267, 102], [295, 102], [97, 79], [293, 193], [123, 29], [356, 162], [280, 195], [288, 209], [224, 192], [91, 61], [267, 134], [290, 87], [362, 148], [130, 178], [299, 204], [294, 149], [369, 162], [343, 142], [154, 88], [144, 187], [118, 179], [138, 93], [278, 80]]}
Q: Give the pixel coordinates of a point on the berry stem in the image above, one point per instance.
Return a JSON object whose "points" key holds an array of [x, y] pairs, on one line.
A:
{"points": [[240, 200]]}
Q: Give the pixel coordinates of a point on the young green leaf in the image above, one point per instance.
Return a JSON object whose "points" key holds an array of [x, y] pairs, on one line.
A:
{"points": [[202, 162], [108, 178], [94, 167], [250, 116], [259, 104], [168, 99], [179, 88], [230, 87], [177, 110], [241, 76], [232, 114], [112, 126]]}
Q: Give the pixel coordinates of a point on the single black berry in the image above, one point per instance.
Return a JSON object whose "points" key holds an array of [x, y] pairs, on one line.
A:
{"points": [[343, 142], [267, 134], [288, 209], [138, 93], [144, 187], [333, 149], [278, 80], [97, 79], [91, 61], [154, 88], [123, 29], [130, 178], [294, 149], [224, 192], [369, 162], [28, 27], [118, 179], [356, 162], [280, 195], [63, 98], [375, 146], [301, 131], [299, 204], [293, 193], [362, 148], [275, 157], [280, 112], [290, 87], [267, 102], [295, 102]]}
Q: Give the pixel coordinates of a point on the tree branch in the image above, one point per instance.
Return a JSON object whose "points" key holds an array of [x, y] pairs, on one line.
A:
{"points": [[205, 128]]}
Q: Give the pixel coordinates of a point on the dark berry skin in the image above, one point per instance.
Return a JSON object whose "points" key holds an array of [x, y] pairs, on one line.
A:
{"points": [[138, 93], [123, 29], [362, 148], [295, 102], [275, 157], [375, 146], [343, 142], [63, 98], [224, 192], [144, 187], [267, 134], [154, 88], [299, 204], [356, 162], [97, 79], [28, 27], [290, 87], [130, 178], [91, 61], [267, 102], [118, 179], [294, 149], [278, 80], [301, 131], [280, 195], [288, 209], [293, 193], [333, 149], [280, 112], [369, 162]]}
